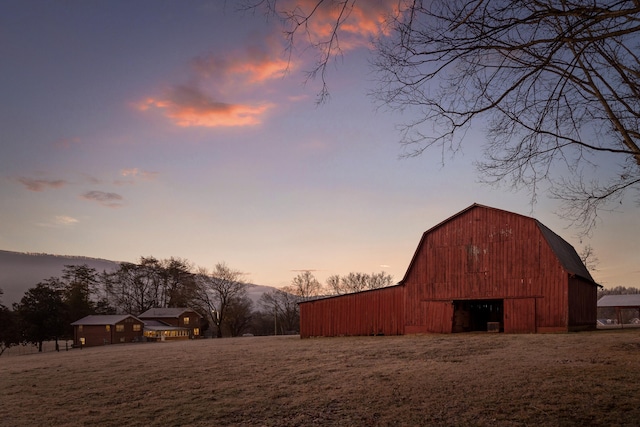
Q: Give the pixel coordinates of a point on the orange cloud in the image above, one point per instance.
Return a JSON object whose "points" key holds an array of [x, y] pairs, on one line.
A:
{"points": [[189, 106], [39, 185], [360, 22], [256, 66]]}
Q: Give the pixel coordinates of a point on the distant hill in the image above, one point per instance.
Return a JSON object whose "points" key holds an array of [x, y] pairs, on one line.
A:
{"points": [[21, 271]]}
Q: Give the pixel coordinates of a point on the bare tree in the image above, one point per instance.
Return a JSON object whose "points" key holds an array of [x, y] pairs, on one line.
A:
{"points": [[282, 304], [217, 292], [556, 85], [305, 285], [238, 316], [589, 258], [133, 288], [356, 282]]}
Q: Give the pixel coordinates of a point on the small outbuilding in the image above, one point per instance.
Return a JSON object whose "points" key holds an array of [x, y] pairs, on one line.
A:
{"points": [[179, 318], [621, 304], [483, 269], [107, 329]]}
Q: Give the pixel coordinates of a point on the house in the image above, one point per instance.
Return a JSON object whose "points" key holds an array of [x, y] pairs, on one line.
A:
{"points": [[107, 329], [155, 330], [481, 269], [185, 318]]}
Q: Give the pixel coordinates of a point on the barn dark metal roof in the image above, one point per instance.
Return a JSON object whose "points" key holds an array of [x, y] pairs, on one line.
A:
{"points": [[566, 254]]}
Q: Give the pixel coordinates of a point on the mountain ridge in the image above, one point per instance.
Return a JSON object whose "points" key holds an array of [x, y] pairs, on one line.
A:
{"points": [[20, 271]]}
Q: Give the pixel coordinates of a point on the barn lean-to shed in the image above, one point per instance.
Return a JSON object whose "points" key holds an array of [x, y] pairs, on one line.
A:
{"points": [[481, 267]]}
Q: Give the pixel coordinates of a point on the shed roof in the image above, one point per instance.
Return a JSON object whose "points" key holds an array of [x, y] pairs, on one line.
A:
{"points": [[168, 312], [103, 319], [632, 300]]}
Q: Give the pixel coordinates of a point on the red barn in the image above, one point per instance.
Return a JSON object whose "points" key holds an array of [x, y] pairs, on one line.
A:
{"points": [[481, 269]]}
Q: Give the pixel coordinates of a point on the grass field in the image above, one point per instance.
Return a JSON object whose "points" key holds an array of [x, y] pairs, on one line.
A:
{"points": [[590, 378]]}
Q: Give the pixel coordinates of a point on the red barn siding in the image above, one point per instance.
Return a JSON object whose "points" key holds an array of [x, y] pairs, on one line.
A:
{"points": [[377, 312], [520, 315], [487, 254], [479, 254]]}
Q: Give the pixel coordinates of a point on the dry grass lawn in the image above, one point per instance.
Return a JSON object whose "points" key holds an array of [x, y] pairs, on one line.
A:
{"points": [[465, 379]]}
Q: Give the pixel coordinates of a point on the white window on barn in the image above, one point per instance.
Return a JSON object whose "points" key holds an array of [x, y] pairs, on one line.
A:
{"points": [[119, 328], [136, 327]]}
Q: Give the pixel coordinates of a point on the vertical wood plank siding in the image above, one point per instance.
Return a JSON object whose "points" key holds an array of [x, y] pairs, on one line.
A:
{"points": [[377, 312], [487, 254], [581, 309], [480, 253]]}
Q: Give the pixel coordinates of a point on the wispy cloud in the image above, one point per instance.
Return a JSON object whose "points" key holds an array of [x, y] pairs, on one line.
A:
{"points": [[361, 23], [111, 200], [39, 185], [65, 220], [224, 90], [133, 174], [59, 221], [189, 106], [255, 65]]}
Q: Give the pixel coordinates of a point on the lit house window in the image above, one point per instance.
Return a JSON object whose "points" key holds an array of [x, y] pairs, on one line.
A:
{"points": [[185, 320], [119, 328], [108, 328], [79, 328], [136, 327]]}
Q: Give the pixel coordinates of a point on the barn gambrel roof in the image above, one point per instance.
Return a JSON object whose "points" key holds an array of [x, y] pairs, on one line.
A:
{"points": [[564, 251]]}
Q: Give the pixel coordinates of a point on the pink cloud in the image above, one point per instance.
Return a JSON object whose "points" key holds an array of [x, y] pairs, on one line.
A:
{"points": [[189, 106], [39, 185], [360, 21]]}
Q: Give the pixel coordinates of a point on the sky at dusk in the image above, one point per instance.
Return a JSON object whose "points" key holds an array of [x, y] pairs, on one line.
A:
{"points": [[182, 129]]}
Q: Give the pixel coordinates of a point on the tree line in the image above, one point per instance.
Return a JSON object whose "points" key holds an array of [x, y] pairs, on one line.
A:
{"points": [[220, 296]]}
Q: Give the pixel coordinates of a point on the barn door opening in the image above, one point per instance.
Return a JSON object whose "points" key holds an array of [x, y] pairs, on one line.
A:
{"points": [[477, 315]]}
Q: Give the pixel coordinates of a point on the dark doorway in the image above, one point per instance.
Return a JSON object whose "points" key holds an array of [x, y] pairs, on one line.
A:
{"points": [[475, 315]]}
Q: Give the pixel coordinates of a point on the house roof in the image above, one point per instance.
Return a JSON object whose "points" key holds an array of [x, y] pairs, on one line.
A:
{"points": [[104, 319], [169, 312], [619, 301], [566, 254]]}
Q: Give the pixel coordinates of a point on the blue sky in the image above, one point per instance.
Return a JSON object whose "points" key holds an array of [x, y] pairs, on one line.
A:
{"points": [[180, 129]]}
